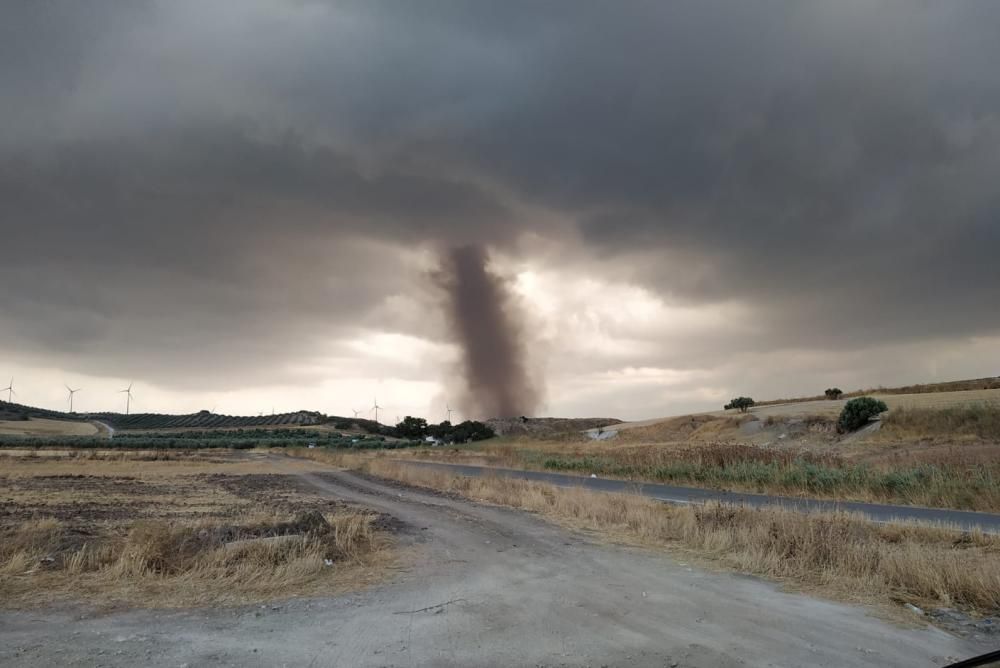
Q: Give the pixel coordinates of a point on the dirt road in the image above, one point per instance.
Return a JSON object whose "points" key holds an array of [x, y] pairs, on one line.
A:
{"points": [[485, 586]]}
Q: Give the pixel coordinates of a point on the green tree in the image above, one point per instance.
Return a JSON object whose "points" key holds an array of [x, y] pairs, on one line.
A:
{"points": [[857, 413], [833, 393], [742, 404], [412, 427]]}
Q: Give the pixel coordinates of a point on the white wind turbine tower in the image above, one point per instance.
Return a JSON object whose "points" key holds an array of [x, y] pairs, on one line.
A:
{"points": [[71, 393], [448, 408], [10, 390], [356, 413], [375, 407], [128, 396]]}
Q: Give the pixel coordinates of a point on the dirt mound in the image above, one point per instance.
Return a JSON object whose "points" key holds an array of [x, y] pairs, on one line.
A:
{"points": [[546, 427]]}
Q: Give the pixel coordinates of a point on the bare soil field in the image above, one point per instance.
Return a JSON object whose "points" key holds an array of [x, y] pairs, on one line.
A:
{"points": [[46, 427], [206, 528]]}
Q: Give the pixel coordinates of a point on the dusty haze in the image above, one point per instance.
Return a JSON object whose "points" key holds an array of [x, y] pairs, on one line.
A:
{"points": [[484, 321]]}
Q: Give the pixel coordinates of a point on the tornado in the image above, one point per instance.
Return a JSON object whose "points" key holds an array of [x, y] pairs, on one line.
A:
{"points": [[485, 322]]}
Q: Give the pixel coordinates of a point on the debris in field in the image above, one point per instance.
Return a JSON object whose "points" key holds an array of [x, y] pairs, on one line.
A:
{"points": [[914, 609], [328, 562]]}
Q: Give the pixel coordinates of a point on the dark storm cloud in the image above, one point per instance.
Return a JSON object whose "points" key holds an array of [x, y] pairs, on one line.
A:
{"points": [[174, 173]]}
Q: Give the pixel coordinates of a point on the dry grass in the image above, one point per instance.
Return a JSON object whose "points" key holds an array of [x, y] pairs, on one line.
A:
{"points": [[44, 427], [189, 563], [973, 384], [840, 554], [962, 477], [339, 458], [955, 423], [197, 531]]}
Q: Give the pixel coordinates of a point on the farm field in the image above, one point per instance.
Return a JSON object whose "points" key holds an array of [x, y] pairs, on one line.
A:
{"points": [[46, 427], [190, 528]]}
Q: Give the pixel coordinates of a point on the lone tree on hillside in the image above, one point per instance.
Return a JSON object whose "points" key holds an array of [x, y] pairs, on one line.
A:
{"points": [[742, 404], [834, 393], [857, 413]]}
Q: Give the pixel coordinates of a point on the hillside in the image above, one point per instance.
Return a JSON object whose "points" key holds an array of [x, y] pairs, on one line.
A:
{"points": [[972, 384]]}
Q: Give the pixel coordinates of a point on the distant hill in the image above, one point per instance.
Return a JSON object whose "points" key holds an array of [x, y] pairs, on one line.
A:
{"points": [[201, 420], [14, 411]]}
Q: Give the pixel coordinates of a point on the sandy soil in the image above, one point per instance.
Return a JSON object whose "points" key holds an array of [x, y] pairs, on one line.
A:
{"points": [[487, 586], [43, 427]]}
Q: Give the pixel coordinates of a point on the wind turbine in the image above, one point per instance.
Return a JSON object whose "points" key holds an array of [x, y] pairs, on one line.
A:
{"points": [[128, 396], [9, 390], [375, 407], [448, 407], [71, 393], [356, 413]]}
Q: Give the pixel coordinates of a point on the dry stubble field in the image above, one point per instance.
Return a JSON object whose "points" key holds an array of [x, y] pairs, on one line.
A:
{"points": [[205, 528]]}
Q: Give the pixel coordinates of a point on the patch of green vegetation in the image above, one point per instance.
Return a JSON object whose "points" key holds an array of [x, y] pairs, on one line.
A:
{"points": [[857, 413], [976, 487], [197, 440]]}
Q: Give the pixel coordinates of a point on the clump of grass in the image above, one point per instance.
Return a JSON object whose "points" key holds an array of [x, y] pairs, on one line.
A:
{"points": [[183, 562], [839, 553], [980, 421]]}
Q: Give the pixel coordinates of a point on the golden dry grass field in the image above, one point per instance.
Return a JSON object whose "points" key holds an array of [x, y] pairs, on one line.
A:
{"points": [[45, 427]]}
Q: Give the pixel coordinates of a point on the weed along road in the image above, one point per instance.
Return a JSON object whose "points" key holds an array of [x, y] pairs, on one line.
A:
{"points": [[961, 519], [482, 585]]}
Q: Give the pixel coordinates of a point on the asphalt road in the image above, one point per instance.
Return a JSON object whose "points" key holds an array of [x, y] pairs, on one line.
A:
{"points": [[485, 586], [961, 519]]}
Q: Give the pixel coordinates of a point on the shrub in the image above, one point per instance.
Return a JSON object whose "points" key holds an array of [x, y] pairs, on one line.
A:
{"points": [[833, 393], [742, 404], [857, 413]]}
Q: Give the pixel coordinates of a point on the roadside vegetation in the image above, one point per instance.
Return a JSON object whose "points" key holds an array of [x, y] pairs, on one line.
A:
{"points": [[942, 483], [838, 553]]}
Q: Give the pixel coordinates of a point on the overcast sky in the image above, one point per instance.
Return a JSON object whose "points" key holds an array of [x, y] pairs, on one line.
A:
{"points": [[239, 206]]}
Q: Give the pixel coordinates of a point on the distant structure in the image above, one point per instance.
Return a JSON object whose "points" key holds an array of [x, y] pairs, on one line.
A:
{"points": [[71, 393], [376, 407], [448, 407], [128, 396], [356, 413], [10, 391]]}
